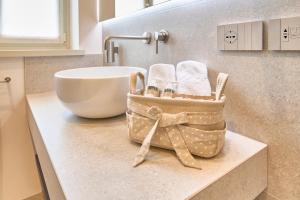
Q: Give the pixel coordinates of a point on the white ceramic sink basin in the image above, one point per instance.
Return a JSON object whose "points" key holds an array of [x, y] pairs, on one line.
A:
{"points": [[96, 92]]}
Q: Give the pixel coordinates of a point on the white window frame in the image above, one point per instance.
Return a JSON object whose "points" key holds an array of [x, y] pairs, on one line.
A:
{"points": [[63, 42]]}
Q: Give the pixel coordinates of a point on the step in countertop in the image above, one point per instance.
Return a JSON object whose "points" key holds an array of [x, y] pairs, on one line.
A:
{"points": [[92, 159]]}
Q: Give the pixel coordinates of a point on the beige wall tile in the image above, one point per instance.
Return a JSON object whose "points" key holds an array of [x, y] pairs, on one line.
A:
{"points": [[39, 71], [263, 89]]}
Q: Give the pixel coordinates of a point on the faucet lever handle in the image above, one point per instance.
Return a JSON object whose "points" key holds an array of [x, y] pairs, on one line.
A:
{"points": [[106, 55], [111, 51], [161, 36], [156, 46]]}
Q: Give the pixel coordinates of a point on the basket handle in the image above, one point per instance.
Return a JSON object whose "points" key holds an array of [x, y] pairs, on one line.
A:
{"points": [[133, 83], [221, 83]]}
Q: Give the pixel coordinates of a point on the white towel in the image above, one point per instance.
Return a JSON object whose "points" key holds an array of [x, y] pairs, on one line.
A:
{"points": [[160, 75], [193, 79]]}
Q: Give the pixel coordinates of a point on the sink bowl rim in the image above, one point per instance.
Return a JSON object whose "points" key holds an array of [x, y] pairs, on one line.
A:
{"points": [[62, 75]]}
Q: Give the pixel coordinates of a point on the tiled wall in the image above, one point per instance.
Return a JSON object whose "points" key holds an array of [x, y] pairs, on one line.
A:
{"points": [[39, 71], [263, 90]]}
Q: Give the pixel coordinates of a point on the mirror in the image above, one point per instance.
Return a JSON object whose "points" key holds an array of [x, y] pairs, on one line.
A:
{"points": [[116, 8]]}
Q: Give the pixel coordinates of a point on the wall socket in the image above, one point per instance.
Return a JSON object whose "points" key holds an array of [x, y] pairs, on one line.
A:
{"points": [[231, 37], [241, 36]]}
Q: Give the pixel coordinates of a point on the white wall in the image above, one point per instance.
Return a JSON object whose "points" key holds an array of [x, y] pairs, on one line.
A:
{"points": [[124, 7], [1, 167], [19, 176], [90, 30]]}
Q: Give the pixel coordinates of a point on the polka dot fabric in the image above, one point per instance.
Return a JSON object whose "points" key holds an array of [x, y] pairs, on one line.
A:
{"points": [[195, 127]]}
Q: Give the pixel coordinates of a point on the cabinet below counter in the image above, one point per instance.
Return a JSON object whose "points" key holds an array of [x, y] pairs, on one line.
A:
{"points": [[92, 159]]}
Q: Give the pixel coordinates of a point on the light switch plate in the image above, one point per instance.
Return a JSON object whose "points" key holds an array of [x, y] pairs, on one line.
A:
{"points": [[274, 34], [284, 34], [290, 33], [257, 36], [248, 37], [241, 36], [220, 37]]}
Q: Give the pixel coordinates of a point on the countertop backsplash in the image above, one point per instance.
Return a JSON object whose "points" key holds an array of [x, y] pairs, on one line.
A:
{"points": [[39, 71]]}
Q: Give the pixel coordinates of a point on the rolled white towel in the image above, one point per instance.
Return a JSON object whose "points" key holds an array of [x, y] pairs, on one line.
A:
{"points": [[192, 78], [160, 75]]}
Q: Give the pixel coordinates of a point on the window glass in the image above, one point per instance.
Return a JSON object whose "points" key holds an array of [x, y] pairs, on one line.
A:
{"points": [[28, 19]]}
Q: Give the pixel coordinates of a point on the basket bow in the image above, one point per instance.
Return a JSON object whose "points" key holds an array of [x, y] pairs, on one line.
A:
{"points": [[167, 119], [170, 122]]}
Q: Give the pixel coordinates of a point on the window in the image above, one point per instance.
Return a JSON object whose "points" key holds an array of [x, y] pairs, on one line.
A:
{"points": [[33, 23]]}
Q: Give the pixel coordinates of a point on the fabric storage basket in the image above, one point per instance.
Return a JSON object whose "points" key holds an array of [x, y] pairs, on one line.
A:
{"points": [[189, 126]]}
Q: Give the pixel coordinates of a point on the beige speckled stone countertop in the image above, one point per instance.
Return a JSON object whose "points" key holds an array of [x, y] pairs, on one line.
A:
{"points": [[92, 159]]}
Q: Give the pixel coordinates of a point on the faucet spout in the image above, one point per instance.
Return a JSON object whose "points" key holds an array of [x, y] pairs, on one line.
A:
{"points": [[110, 53]]}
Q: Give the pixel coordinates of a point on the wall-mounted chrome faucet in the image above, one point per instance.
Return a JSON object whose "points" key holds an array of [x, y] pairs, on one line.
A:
{"points": [[161, 36], [111, 48]]}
